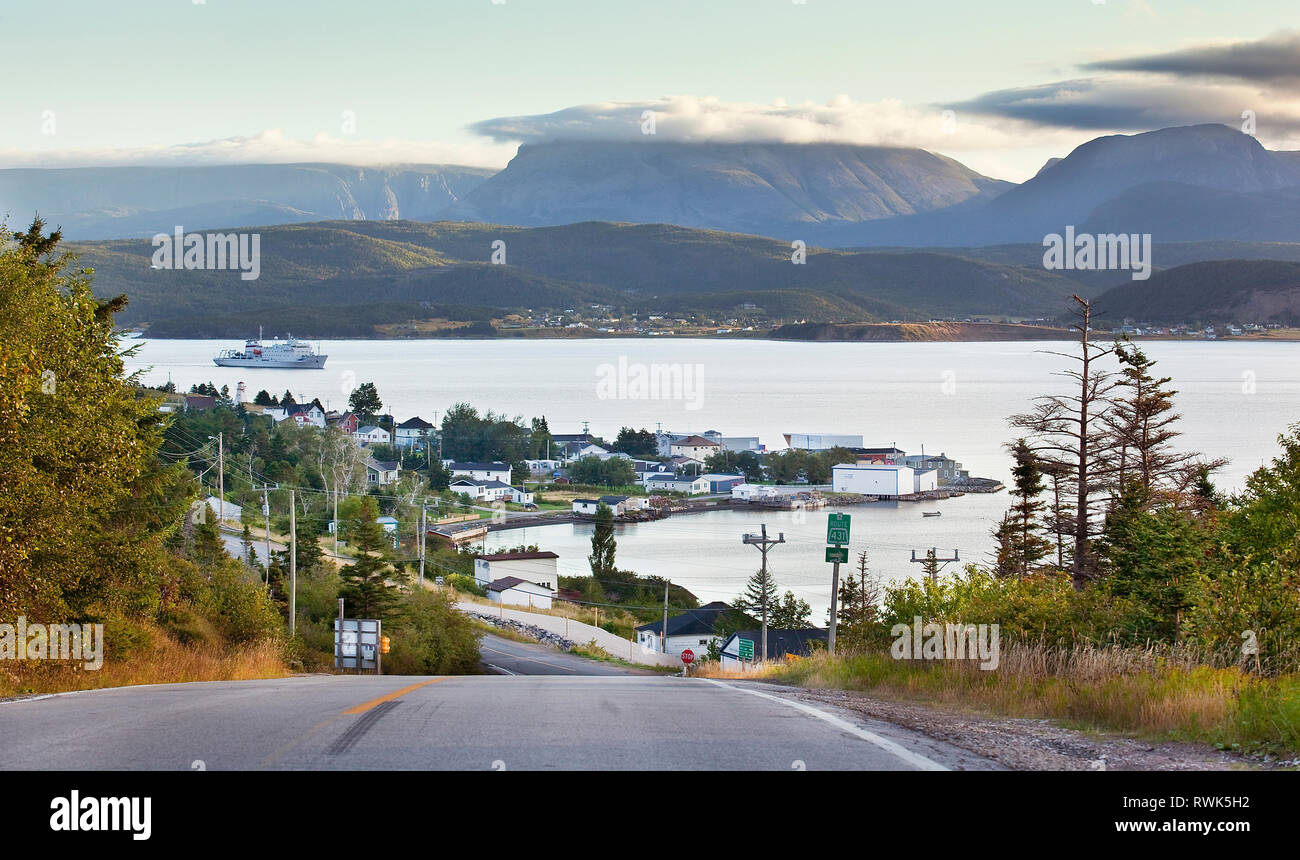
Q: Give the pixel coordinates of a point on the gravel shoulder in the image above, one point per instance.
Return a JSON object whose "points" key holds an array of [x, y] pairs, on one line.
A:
{"points": [[1029, 744]]}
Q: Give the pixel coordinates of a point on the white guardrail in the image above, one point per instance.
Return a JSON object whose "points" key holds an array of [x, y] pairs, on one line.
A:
{"points": [[577, 631]]}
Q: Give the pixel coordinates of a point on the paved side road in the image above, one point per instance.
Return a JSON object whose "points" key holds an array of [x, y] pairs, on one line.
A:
{"points": [[507, 657], [503, 722]]}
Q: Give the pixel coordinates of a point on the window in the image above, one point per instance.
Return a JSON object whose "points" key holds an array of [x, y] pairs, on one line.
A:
{"points": [[704, 641]]}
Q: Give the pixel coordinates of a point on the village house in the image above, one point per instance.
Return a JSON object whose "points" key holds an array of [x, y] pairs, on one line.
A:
{"points": [[541, 568], [372, 435], [306, 414], [483, 491], [693, 629], [381, 473], [412, 432], [513, 591], [344, 422], [479, 471], [677, 484], [694, 447]]}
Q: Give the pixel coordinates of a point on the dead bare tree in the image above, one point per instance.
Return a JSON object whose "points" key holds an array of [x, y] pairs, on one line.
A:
{"points": [[1069, 431]]}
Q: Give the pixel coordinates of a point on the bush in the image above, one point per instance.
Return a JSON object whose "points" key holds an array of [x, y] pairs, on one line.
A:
{"points": [[461, 582], [430, 637]]}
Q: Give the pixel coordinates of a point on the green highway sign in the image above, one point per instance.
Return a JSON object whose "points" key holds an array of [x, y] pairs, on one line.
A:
{"points": [[746, 649], [837, 553], [837, 528]]}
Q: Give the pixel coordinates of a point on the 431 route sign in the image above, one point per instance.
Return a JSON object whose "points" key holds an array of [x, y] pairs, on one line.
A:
{"points": [[837, 528]]}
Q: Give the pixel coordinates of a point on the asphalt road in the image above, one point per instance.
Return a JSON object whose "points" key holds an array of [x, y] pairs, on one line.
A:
{"points": [[502, 722], [506, 657]]}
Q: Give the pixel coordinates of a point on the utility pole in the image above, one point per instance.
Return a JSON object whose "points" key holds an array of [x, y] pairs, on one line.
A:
{"points": [[266, 512], [764, 543], [935, 563], [336, 515], [221, 479], [293, 566], [423, 534], [663, 633]]}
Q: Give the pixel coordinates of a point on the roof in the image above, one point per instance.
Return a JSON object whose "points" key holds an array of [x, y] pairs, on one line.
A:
{"points": [[691, 622], [369, 428], [383, 465], [416, 423], [781, 642], [570, 437], [672, 479], [696, 442], [506, 583], [613, 500], [479, 467], [516, 556], [296, 408], [586, 501]]}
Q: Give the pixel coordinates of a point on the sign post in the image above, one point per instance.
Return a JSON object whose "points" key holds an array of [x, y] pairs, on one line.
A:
{"points": [[837, 533]]}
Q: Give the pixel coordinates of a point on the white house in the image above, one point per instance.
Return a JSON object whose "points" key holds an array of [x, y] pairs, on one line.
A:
{"points": [[480, 471], [306, 413], [540, 568], [381, 473], [753, 493], [586, 506], [486, 491], [370, 435], [521, 496], [874, 479], [542, 467], [677, 484], [694, 447], [691, 629], [412, 432], [513, 591]]}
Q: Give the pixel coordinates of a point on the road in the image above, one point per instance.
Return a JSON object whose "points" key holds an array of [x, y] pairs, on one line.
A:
{"points": [[506, 657], [561, 721]]}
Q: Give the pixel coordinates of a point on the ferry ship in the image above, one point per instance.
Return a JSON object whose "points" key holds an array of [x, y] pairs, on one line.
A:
{"points": [[291, 353]]}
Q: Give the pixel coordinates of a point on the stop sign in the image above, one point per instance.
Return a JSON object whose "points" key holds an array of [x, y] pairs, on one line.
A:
{"points": [[688, 656]]}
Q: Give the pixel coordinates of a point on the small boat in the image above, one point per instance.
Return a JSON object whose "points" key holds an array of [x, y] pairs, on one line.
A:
{"points": [[931, 513]]}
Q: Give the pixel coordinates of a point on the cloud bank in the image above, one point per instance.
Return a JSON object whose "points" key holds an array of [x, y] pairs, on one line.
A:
{"points": [[269, 147]]}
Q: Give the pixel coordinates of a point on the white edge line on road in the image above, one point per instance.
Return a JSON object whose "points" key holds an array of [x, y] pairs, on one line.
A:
{"points": [[500, 669], [917, 760]]}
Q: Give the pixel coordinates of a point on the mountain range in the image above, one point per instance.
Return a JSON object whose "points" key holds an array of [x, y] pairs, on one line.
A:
{"points": [[1190, 183]]}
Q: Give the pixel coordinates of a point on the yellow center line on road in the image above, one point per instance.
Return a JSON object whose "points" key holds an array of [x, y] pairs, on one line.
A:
{"points": [[529, 659], [362, 708]]}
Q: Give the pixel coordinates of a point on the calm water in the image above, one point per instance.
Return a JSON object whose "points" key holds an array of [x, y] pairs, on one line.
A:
{"points": [[948, 397]]}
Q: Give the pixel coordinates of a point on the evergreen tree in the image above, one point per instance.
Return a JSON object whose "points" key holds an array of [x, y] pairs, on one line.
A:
{"points": [[366, 587], [603, 544], [1021, 546], [789, 613], [365, 401], [756, 596]]}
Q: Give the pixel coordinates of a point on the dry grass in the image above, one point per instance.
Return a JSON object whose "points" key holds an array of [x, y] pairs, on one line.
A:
{"points": [[162, 661], [1154, 693]]}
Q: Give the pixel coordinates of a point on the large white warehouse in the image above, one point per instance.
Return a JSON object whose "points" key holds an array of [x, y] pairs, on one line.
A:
{"points": [[881, 479]]}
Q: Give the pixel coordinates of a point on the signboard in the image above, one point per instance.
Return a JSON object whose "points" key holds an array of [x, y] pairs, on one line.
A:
{"points": [[357, 644], [838, 554], [837, 528], [688, 656], [746, 648]]}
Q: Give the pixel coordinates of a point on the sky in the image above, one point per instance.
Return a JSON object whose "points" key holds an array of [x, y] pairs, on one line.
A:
{"points": [[1001, 85]]}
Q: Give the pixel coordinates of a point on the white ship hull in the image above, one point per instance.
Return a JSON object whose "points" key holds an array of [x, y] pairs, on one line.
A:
{"points": [[308, 362]]}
